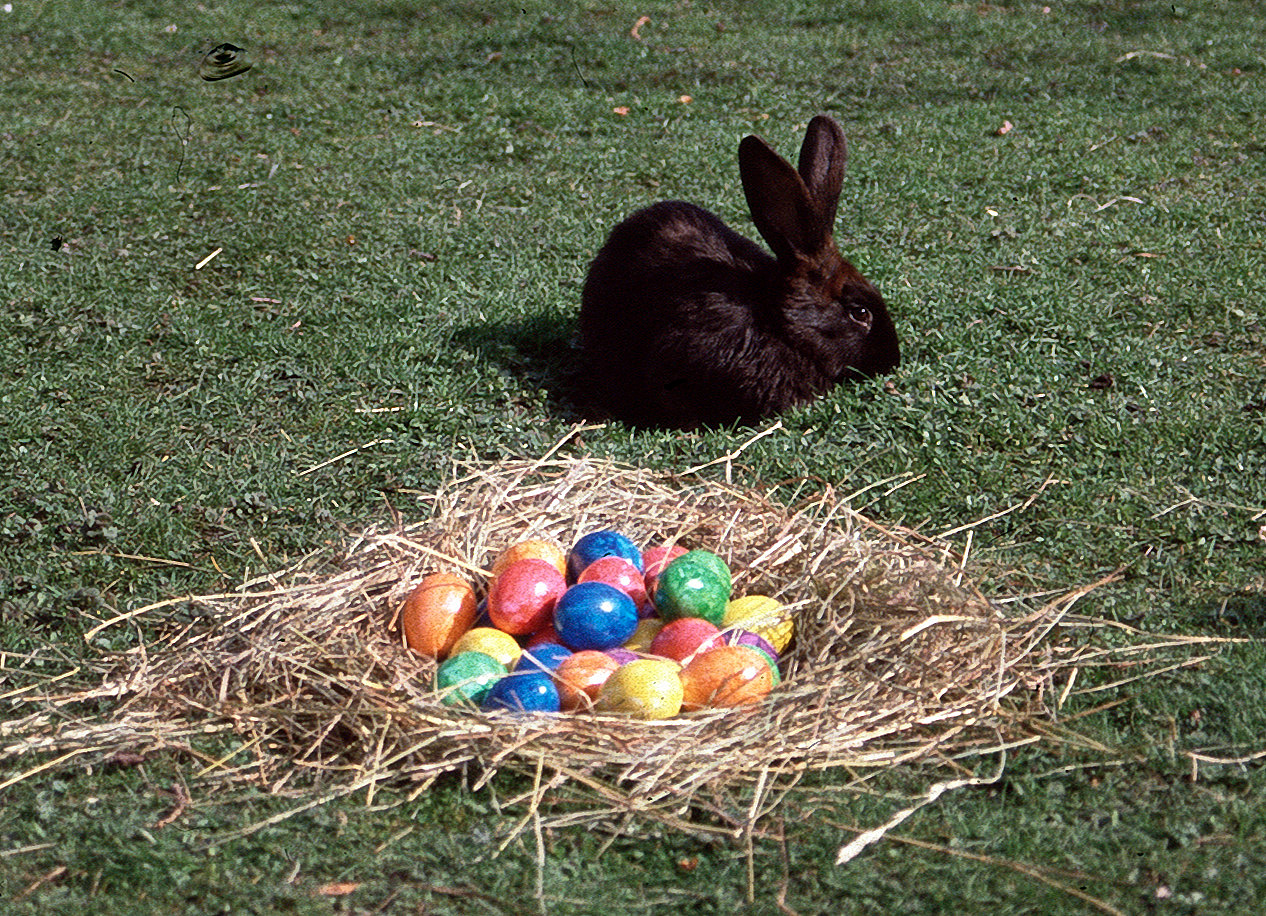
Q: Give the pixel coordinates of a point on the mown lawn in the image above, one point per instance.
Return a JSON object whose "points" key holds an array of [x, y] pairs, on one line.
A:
{"points": [[244, 318]]}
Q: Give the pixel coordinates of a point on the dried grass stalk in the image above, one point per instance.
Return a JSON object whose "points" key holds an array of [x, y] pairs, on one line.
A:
{"points": [[894, 660]]}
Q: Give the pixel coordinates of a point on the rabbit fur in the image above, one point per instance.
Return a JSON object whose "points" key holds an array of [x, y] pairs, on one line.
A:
{"points": [[686, 323]]}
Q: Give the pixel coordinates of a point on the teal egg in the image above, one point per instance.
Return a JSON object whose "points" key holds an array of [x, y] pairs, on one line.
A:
{"points": [[467, 677], [691, 586]]}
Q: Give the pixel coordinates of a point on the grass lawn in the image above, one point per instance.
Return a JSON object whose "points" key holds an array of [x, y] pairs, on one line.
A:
{"points": [[241, 319]]}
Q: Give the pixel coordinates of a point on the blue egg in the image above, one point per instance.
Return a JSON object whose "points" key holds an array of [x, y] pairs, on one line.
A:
{"points": [[594, 615], [523, 691], [544, 656], [598, 544]]}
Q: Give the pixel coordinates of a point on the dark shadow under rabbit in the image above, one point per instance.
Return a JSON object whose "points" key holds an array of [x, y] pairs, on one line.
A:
{"points": [[686, 323]]}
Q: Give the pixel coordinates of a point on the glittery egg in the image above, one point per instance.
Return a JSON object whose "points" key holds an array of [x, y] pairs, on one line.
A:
{"points": [[648, 688], [466, 677], [725, 676], [580, 676], [437, 612], [681, 638], [646, 630], [594, 615], [691, 587], [522, 598], [532, 549], [620, 573], [544, 656], [598, 544], [490, 641], [523, 692], [764, 616]]}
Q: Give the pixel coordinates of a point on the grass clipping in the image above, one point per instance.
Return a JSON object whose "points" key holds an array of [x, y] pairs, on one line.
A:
{"points": [[895, 658]]}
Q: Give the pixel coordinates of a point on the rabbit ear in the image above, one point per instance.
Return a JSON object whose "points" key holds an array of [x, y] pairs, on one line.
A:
{"points": [[822, 159], [782, 209]]}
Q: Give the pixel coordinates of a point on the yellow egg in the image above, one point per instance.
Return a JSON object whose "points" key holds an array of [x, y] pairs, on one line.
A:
{"points": [[490, 641], [766, 617], [640, 641], [648, 688], [532, 549]]}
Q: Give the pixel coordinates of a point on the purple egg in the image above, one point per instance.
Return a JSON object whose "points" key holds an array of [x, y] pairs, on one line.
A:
{"points": [[741, 637], [621, 655]]}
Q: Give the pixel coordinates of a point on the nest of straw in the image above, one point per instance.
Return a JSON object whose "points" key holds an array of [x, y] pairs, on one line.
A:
{"points": [[895, 658]]}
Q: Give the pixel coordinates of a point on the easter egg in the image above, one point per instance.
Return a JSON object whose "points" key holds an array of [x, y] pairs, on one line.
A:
{"points": [[594, 615], [437, 612], [640, 641], [490, 641], [544, 634], [764, 616], [522, 598], [619, 572], [622, 655], [598, 544], [648, 688], [725, 676], [544, 656], [466, 677], [580, 676], [681, 638], [654, 559], [715, 563], [691, 587], [532, 549], [523, 691], [737, 636]]}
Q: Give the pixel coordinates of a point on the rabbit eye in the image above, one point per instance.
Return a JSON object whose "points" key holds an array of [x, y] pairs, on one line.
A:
{"points": [[859, 313]]}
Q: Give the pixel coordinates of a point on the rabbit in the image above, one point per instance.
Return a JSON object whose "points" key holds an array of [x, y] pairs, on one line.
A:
{"points": [[685, 323]]}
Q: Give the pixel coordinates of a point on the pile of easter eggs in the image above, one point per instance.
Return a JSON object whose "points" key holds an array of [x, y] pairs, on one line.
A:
{"points": [[603, 626]]}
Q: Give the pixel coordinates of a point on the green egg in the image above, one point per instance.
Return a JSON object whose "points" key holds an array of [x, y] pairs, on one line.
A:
{"points": [[691, 586], [467, 678], [715, 563]]}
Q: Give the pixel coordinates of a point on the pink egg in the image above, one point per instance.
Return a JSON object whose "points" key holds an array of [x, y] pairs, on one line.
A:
{"points": [[683, 638], [654, 559], [522, 598], [619, 572]]}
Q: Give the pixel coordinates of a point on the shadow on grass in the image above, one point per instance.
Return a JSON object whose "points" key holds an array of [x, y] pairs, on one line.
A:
{"points": [[541, 352], [1239, 614]]}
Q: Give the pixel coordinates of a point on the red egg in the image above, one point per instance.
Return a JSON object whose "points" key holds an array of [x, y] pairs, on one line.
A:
{"points": [[680, 639], [619, 572], [654, 559], [437, 612], [522, 598]]}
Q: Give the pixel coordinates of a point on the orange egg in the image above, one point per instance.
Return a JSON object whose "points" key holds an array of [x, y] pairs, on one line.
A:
{"points": [[725, 676], [580, 676], [437, 612], [532, 549]]}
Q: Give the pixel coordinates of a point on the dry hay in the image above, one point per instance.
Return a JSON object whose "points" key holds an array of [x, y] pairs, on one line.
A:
{"points": [[895, 659]]}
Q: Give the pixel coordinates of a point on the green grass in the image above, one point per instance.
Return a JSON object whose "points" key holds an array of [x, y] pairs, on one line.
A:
{"points": [[405, 197]]}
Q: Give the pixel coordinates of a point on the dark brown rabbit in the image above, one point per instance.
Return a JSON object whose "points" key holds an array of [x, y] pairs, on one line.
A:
{"points": [[684, 322]]}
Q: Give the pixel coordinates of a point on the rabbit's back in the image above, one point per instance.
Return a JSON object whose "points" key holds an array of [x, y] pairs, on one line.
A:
{"points": [[666, 308]]}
